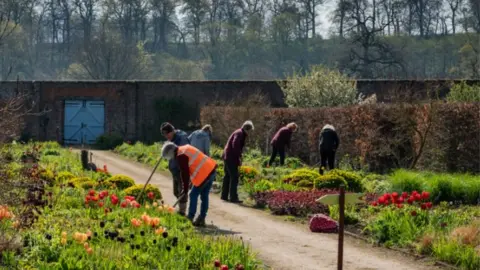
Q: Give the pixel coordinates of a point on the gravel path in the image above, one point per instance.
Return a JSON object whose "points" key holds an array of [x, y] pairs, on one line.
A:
{"points": [[279, 244]]}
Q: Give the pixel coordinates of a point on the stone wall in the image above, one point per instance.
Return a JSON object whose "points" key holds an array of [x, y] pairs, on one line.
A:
{"points": [[129, 105]]}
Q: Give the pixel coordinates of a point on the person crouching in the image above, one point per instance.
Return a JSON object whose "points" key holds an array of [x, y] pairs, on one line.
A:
{"points": [[197, 168]]}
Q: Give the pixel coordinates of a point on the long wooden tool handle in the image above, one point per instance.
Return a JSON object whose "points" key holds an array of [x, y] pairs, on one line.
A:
{"points": [[149, 178]]}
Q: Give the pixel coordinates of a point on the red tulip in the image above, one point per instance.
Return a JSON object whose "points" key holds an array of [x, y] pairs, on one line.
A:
{"points": [[239, 267], [381, 200], [414, 213], [374, 204], [100, 204], [414, 192], [410, 200], [217, 263], [429, 205], [425, 195], [394, 195], [418, 197], [91, 192], [399, 205], [124, 204], [404, 195], [386, 196], [224, 267], [423, 206], [114, 199], [151, 195], [400, 200]]}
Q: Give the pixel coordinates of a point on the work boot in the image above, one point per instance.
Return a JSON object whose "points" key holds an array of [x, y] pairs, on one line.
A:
{"points": [[182, 208], [200, 222]]}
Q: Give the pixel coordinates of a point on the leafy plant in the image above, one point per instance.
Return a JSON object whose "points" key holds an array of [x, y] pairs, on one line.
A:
{"points": [[137, 189], [108, 141], [320, 87], [120, 181], [463, 92]]}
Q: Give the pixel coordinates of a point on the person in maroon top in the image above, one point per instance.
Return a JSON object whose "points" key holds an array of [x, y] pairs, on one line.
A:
{"points": [[232, 156], [280, 141]]}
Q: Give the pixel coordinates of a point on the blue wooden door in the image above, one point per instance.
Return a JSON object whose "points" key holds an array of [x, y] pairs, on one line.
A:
{"points": [[84, 121]]}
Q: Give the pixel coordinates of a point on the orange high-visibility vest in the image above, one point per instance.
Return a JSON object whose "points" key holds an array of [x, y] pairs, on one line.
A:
{"points": [[199, 164]]}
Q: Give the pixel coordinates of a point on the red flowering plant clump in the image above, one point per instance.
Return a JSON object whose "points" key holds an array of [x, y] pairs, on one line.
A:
{"points": [[102, 199], [399, 200]]}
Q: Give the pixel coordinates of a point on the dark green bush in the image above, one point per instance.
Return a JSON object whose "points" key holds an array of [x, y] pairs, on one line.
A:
{"points": [[108, 141]]}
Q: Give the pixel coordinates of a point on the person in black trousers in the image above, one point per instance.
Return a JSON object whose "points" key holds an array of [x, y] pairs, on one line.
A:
{"points": [[280, 141], [232, 156], [328, 146]]}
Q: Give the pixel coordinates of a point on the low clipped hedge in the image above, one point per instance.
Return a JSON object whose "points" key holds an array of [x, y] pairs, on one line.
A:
{"points": [[301, 175], [137, 189], [120, 181], [64, 176], [330, 181], [353, 180], [82, 182]]}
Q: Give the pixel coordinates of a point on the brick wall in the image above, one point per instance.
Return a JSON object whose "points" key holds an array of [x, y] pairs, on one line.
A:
{"points": [[129, 105]]}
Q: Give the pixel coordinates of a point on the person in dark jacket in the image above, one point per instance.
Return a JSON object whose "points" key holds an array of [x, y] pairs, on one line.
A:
{"points": [[179, 138], [328, 146], [280, 141], [201, 139], [232, 156]]}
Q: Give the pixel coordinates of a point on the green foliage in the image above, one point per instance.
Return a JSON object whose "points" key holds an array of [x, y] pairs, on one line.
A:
{"points": [[443, 187], [351, 215], [120, 181], [290, 162], [403, 180], [296, 176], [462, 92], [108, 141], [264, 185], [330, 181], [82, 182], [178, 69], [375, 183], [353, 180], [47, 175], [137, 189], [320, 87], [64, 176]]}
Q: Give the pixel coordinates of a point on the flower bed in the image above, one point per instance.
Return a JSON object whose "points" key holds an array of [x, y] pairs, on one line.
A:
{"points": [[430, 213], [99, 226]]}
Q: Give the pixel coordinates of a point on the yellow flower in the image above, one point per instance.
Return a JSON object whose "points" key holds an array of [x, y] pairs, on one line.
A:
{"points": [[63, 241], [155, 204], [64, 234], [147, 206]]}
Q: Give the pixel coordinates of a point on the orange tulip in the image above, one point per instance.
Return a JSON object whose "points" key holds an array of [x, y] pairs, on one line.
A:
{"points": [[159, 230], [135, 222], [63, 241], [89, 250], [154, 222], [171, 209], [85, 245], [146, 218]]}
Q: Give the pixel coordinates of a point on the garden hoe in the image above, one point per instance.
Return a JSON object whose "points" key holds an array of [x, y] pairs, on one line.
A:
{"points": [[149, 178]]}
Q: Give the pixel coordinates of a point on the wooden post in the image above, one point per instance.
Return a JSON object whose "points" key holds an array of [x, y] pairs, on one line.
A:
{"points": [[341, 201]]}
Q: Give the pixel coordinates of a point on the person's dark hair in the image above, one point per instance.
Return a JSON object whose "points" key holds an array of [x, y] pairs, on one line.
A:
{"points": [[167, 127]]}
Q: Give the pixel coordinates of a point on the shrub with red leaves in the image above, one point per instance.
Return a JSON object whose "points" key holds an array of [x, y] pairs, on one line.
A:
{"points": [[296, 203], [323, 223]]}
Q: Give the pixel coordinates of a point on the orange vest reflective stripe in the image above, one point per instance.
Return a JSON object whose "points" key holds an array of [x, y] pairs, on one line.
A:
{"points": [[199, 164]]}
